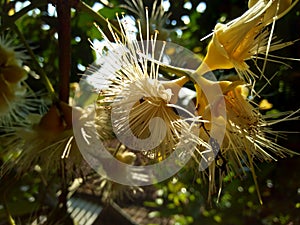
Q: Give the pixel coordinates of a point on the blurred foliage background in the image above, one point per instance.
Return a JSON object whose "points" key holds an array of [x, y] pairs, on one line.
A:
{"points": [[182, 198]]}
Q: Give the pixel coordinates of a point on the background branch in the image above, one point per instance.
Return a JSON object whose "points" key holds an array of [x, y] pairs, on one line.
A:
{"points": [[64, 44]]}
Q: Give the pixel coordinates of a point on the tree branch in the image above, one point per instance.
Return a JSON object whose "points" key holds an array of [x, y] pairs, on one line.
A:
{"points": [[64, 43]]}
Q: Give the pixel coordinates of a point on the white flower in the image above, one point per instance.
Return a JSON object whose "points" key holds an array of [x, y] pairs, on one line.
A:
{"points": [[16, 100], [143, 113], [43, 142]]}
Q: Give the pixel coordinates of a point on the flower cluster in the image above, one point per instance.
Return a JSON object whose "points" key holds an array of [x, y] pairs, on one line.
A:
{"points": [[247, 136], [138, 114], [144, 111]]}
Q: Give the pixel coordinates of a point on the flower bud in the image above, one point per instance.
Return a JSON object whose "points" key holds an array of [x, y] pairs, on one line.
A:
{"points": [[13, 73], [52, 121]]}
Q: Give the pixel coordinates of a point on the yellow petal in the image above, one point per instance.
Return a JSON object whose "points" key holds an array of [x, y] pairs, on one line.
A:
{"points": [[271, 12], [217, 56], [175, 86]]}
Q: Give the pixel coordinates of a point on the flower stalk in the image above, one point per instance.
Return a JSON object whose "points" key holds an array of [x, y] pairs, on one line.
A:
{"points": [[44, 77]]}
